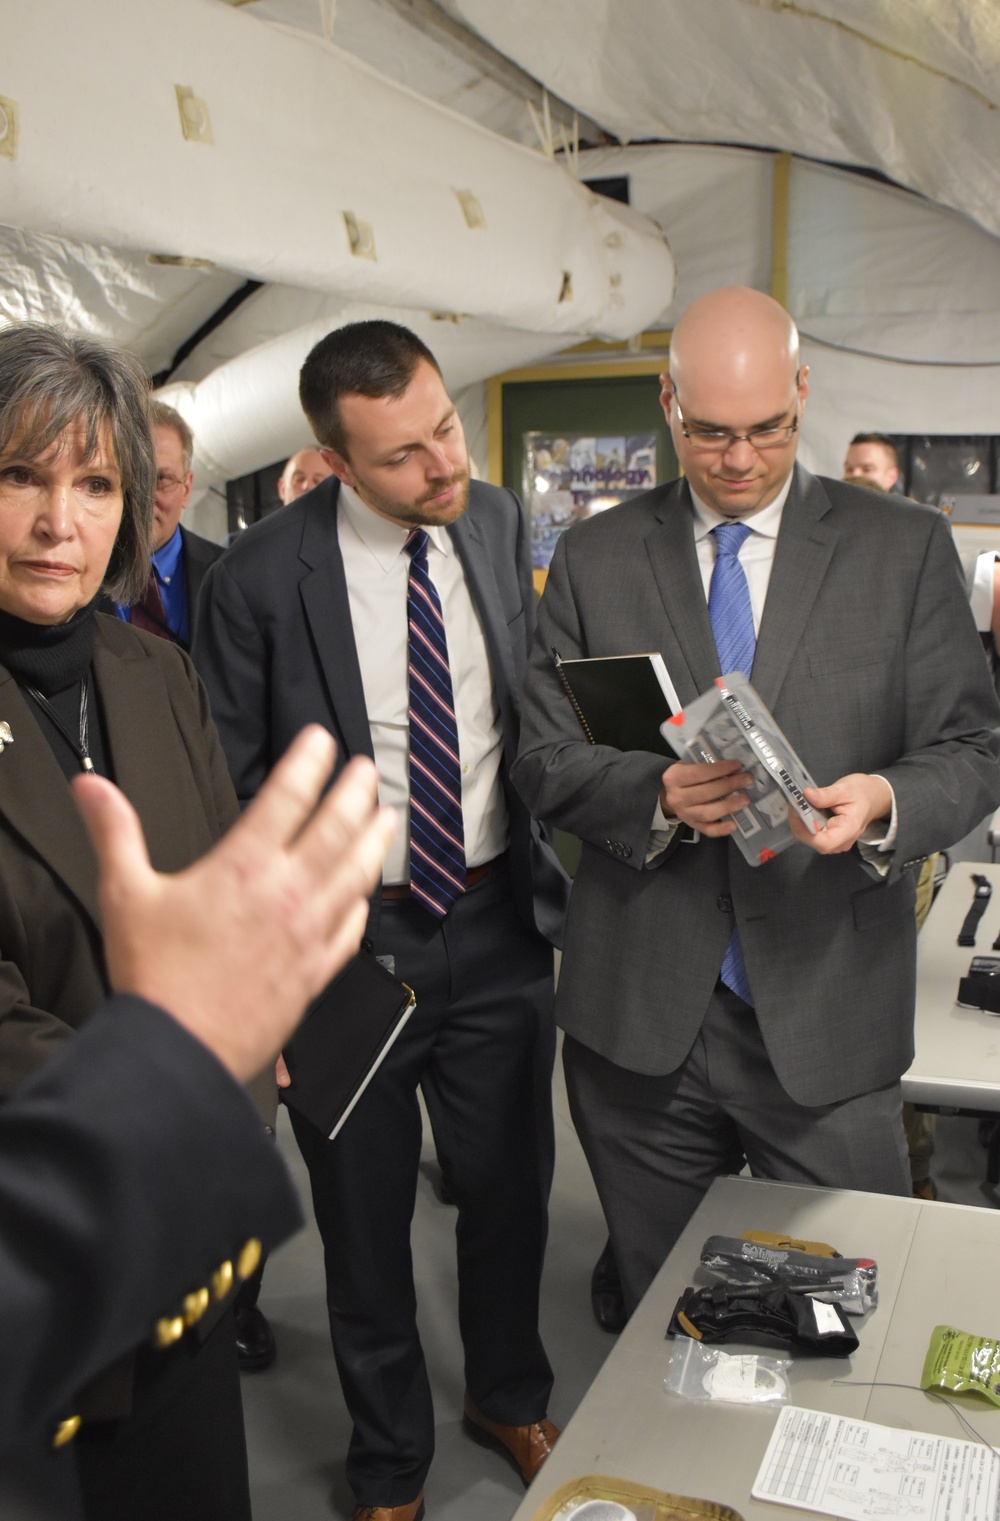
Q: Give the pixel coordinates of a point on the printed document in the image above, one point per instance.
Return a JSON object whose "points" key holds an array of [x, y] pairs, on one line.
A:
{"points": [[855, 1469]]}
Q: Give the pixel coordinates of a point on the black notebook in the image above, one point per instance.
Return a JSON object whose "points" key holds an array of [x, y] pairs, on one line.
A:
{"points": [[621, 700], [342, 1040]]}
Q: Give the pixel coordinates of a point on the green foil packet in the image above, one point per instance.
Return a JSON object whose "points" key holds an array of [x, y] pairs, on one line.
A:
{"points": [[960, 1363]]}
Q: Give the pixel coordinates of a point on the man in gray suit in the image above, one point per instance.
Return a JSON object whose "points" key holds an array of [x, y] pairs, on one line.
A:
{"points": [[716, 1012], [394, 605]]}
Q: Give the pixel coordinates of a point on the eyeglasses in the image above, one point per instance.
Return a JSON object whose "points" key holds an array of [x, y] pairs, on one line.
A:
{"points": [[167, 483], [717, 439]]}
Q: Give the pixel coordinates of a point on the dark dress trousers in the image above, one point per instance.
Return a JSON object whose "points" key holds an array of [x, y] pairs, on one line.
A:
{"points": [[277, 650], [869, 660], [131, 1167], [165, 756]]}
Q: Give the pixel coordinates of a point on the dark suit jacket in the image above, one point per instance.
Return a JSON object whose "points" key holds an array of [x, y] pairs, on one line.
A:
{"points": [[129, 1168], [276, 651], [166, 758], [868, 657], [197, 555]]}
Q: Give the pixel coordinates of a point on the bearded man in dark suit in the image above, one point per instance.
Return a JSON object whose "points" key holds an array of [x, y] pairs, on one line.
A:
{"points": [[394, 605]]}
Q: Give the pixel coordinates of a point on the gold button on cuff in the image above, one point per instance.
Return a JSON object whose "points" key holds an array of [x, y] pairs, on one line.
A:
{"points": [[249, 1259], [195, 1306], [66, 1431], [168, 1330], [222, 1280]]}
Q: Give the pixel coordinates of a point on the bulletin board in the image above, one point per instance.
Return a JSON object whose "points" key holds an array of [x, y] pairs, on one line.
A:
{"points": [[617, 443], [575, 439]]}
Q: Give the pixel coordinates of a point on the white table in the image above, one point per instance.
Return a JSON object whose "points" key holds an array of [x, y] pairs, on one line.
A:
{"points": [[956, 1065], [937, 1264], [957, 1060]]}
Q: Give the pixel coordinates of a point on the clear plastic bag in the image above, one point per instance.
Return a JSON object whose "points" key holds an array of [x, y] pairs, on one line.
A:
{"points": [[707, 1373], [851, 1282]]}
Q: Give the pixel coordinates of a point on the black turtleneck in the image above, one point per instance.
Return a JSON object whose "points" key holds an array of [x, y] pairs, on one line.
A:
{"points": [[56, 658]]}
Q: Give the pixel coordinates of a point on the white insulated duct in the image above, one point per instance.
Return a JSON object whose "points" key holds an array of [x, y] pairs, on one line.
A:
{"points": [[245, 414], [192, 129]]}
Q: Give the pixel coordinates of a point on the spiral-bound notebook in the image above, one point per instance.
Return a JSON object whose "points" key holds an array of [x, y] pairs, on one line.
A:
{"points": [[344, 1038], [621, 700]]}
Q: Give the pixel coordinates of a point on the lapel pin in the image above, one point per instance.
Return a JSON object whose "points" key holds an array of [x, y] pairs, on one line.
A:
{"points": [[6, 737]]}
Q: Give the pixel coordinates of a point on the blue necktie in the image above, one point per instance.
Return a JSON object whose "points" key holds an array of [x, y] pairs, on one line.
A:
{"points": [[732, 624], [437, 834]]}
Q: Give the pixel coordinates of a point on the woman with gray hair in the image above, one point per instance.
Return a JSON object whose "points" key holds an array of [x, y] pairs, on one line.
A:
{"points": [[162, 1434]]}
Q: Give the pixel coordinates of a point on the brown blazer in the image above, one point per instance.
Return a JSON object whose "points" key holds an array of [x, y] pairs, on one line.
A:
{"points": [[165, 756]]}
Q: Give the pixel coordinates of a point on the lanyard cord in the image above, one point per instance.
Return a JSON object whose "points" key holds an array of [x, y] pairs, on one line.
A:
{"points": [[80, 744]]}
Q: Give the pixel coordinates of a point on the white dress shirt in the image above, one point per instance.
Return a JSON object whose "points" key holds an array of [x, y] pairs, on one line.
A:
{"points": [[981, 596], [377, 570], [757, 558]]}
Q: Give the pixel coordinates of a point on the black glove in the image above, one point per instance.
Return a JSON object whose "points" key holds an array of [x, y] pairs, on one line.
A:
{"points": [[764, 1317]]}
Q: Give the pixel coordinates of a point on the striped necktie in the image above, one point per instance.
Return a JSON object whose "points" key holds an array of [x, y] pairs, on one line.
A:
{"points": [[731, 617], [437, 834]]}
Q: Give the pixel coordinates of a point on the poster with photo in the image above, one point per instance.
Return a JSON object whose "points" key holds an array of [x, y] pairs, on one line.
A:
{"points": [[569, 476]]}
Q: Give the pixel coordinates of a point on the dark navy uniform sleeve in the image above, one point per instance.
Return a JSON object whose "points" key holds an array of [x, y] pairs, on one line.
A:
{"points": [[131, 1167]]}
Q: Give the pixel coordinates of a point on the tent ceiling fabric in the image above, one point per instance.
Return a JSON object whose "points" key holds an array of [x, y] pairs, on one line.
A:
{"points": [[112, 293], [380, 169], [377, 33], [907, 87], [390, 121], [245, 412], [848, 394], [869, 267]]}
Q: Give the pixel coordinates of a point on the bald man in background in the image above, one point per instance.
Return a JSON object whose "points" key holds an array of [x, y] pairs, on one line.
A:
{"points": [[302, 472], [715, 1012]]}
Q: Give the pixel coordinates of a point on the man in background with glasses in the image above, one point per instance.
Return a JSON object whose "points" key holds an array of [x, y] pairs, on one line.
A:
{"points": [[717, 1013], [180, 558]]}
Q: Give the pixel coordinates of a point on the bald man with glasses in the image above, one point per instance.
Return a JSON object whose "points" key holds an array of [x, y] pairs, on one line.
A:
{"points": [[717, 1013]]}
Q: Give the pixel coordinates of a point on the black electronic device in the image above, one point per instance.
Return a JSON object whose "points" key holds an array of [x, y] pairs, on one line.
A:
{"points": [[980, 987]]}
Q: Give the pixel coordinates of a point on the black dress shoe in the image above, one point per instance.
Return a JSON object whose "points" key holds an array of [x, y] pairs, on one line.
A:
{"points": [[255, 1346], [606, 1292]]}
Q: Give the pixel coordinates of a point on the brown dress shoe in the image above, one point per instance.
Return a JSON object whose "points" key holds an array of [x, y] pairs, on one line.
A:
{"points": [[412, 1512], [526, 1447]]}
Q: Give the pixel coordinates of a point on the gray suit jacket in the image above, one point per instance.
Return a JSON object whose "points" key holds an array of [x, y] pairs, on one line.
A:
{"points": [[868, 657], [276, 650]]}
